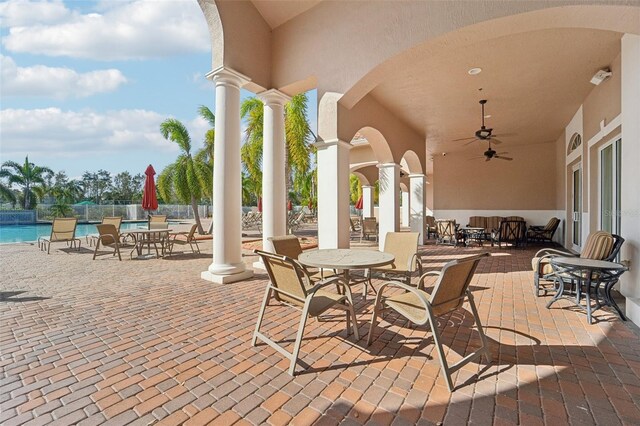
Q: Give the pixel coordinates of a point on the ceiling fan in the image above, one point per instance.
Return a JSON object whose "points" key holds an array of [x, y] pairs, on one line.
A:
{"points": [[492, 153], [483, 133]]}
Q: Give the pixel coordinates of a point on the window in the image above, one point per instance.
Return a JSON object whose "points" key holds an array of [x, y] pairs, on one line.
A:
{"points": [[574, 142]]}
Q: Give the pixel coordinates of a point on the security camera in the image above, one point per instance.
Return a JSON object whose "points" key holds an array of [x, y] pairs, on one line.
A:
{"points": [[444, 154]]}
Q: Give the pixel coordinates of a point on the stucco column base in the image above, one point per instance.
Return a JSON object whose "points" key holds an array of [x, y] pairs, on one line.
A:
{"points": [[258, 264], [226, 279], [367, 201]]}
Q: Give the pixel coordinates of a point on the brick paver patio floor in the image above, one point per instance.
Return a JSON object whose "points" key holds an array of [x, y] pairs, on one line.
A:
{"points": [[148, 341]]}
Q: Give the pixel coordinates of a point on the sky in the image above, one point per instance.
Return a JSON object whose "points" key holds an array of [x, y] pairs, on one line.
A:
{"points": [[84, 85]]}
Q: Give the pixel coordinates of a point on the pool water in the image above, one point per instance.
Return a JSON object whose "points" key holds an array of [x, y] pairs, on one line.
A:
{"points": [[23, 233]]}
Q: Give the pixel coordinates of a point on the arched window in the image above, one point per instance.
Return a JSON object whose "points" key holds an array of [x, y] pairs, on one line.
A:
{"points": [[574, 142]]}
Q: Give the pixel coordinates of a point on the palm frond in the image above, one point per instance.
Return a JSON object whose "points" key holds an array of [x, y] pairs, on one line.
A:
{"points": [[174, 131], [165, 182], [206, 113]]}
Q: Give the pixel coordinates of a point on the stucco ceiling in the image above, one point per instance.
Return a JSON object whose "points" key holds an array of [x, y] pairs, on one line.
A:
{"points": [[276, 13], [534, 83]]}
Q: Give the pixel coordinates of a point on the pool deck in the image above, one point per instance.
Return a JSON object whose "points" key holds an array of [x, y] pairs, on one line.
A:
{"points": [[148, 341]]}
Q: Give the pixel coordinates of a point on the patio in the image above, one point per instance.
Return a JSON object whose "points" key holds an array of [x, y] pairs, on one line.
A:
{"points": [[136, 342]]}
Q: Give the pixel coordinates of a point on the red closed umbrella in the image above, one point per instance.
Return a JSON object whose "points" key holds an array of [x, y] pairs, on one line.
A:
{"points": [[149, 197], [290, 205], [359, 203], [260, 204]]}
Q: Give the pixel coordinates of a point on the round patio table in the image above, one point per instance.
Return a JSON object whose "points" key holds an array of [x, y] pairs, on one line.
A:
{"points": [[147, 237], [595, 274], [345, 260]]}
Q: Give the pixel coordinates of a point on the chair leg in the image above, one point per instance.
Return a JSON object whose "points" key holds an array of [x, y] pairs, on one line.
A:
{"points": [[118, 251], [95, 252], [296, 346], [374, 318], [352, 312], [265, 302], [483, 337], [536, 283], [444, 366]]}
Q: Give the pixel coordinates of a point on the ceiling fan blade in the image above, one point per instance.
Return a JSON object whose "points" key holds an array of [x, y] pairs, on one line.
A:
{"points": [[505, 135], [502, 153], [476, 158], [469, 143], [495, 141], [503, 158], [488, 158], [463, 139]]}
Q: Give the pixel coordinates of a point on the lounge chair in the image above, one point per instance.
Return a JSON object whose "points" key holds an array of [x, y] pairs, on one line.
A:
{"points": [[369, 227], [447, 232], [404, 247], [183, 239], [63, 230], [422, 308], [157, 218], [115, 221], [108, 236], [543, 234], [290, 285], [512, 232], [600, 245], [492, 223]]}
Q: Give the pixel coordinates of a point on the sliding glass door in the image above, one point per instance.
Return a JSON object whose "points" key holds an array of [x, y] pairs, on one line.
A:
{"points": [[610, 161]]}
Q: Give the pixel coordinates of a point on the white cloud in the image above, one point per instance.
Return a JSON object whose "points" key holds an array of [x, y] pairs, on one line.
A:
{"points": [[53, 82], [15, 13], [76, 134], [139, 29]]}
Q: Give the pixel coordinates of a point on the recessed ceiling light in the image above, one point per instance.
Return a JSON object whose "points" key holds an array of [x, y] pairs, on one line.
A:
{"points": [[487, 116], [474, 71]]}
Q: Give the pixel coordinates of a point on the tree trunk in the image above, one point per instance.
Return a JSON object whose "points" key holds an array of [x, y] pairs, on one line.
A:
{"points": [[196, 214]]}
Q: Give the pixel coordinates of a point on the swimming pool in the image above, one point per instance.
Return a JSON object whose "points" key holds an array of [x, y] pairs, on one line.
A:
{"points": [[24, 233]]}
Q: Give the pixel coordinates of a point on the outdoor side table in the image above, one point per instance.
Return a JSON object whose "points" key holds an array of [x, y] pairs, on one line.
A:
{"points": [[472, 235], [345, 260], [597, 275]]}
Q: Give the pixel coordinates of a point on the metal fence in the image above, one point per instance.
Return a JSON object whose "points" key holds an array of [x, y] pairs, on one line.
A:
{"points": [[95, 213]]}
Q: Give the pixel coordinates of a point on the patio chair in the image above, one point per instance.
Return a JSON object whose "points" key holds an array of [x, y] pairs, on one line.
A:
{"points": [[477, 222], [290, 284], [369, 227], [512, 232], [492, 223], [63, 230], [446, 230], [514, 218], [289, 245], [600, 245], [183, 239], [422, 308], [108, 236], [543, 234], [156, 218], [404, 247], [296, 221], [115, 221], [430, 227]]}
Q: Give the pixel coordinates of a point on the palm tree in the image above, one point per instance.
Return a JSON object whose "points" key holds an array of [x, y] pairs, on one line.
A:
{"points": [[7, 194], [187, 178], [206, 153], [297, 136], [29, 177]]}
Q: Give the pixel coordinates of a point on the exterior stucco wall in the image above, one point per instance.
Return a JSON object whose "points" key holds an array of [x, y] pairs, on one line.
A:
{"points": [[526, 183]]}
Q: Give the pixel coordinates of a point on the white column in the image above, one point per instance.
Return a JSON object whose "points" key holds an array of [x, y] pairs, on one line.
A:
{"points": [[417, 192], [367, 201], [389, 202], [630, 214], [333, 194], [274, 189], [405, 209], [227, 263]]}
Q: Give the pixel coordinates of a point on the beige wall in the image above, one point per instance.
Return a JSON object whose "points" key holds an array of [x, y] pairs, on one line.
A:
{"points": [[561, 152], [526, 183], [603, 102]]}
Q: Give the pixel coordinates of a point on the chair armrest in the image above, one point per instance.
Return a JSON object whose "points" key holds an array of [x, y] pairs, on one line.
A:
{"points": [[408, 288], [557, 252], [423, 276]]}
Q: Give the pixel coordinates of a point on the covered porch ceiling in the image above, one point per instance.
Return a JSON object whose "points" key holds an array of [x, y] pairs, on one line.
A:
{"points": [[534, 82]]}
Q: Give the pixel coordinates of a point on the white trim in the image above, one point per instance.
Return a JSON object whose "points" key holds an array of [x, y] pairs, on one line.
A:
{"points": [[605, 130], [577, 168], [614, 201], [331, 142]]}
